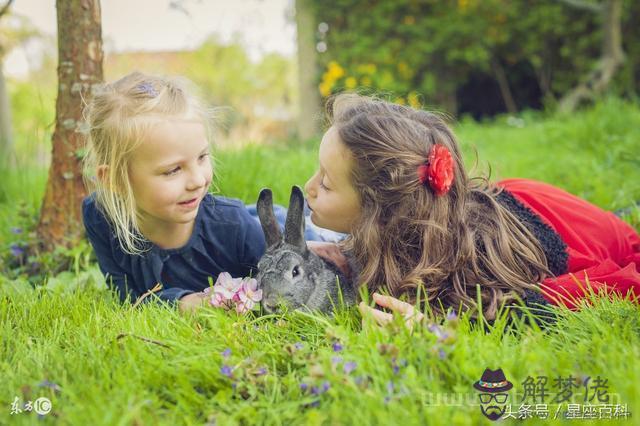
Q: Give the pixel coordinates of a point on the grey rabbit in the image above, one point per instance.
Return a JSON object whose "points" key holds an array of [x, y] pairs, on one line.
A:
{"points": [[289, 272]]}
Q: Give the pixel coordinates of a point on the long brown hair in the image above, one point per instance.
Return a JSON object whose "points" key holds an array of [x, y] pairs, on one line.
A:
{"points": [[409, 238]]}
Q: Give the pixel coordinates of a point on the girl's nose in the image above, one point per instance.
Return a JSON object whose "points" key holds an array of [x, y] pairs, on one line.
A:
{"points": [[309, 188], [197, 180]]}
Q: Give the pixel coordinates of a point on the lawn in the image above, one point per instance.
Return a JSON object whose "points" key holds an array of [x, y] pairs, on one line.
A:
{"points": [[98, 362]]}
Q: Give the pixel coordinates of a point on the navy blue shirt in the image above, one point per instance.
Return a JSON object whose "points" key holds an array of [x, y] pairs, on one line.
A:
{"points": [[225, 238]]}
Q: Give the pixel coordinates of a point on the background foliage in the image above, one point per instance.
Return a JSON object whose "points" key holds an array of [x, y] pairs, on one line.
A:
{"points": [[449, 54]]}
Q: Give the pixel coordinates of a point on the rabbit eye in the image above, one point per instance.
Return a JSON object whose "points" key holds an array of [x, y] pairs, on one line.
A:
{"points": [[296, 271]]}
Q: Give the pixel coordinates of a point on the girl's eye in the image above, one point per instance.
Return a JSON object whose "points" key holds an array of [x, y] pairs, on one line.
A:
{"points": [[171, 172], [323, 186], [203, 156]]}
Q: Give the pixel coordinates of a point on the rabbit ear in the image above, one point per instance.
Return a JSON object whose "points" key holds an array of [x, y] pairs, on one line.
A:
{"points": [[294, 227], [268, 220]]}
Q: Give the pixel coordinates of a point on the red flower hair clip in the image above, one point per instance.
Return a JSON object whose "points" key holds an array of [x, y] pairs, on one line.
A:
{"points": [[438, 171]]}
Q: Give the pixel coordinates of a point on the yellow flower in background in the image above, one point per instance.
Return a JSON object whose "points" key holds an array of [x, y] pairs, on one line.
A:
{"points": [[350, 82], [399, 101], [414, 100], [366, 81], [335, 71], [325, 89]]}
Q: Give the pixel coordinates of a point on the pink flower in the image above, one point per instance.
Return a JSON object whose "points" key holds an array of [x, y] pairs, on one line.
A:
{"points": [[243, 308], [250, 292], [217, 300], [227, 285], [230, 293]]}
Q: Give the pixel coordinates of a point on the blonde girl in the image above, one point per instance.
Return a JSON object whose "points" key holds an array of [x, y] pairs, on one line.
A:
{"points": [[151, 218]]}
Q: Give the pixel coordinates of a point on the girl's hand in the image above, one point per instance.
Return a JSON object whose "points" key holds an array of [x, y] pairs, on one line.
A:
{"points": [[409, 313], [191, 302], [332, 253]]}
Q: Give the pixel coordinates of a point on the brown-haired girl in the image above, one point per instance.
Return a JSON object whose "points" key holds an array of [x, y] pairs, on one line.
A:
{"points": [[392, 177]]}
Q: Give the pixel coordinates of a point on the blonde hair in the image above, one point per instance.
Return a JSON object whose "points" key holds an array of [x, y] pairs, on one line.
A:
{"points": [[120, 115], [410, 240]]}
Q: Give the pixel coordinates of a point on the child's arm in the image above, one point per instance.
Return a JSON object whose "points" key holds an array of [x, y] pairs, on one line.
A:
{"points": [[115, 276], [607, 277], [123, 283], [99, 235], [192, 301]]}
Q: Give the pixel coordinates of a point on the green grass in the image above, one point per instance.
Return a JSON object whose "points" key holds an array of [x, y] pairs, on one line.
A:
{"points": [[71, 332]]}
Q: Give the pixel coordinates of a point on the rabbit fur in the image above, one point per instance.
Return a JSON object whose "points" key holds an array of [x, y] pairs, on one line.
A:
{"points": [[289, 272]]}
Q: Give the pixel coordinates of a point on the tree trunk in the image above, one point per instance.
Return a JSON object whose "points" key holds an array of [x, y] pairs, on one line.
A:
{"points": [[6, 129], [309, 115], [611, 59], [79, 70], [503, 84]]}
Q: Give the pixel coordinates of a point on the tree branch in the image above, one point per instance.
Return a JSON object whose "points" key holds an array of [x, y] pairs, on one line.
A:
{"points": [[5, 8]]}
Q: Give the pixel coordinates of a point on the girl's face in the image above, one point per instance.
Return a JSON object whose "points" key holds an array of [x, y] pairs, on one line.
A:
{"points": [[332, 198], [170, 173]]}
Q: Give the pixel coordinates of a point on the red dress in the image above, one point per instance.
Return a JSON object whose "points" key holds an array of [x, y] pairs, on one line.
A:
{"points": [[600, 247]]}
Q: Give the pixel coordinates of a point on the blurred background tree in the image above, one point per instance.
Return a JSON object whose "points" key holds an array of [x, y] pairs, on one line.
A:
{"points": [[479, 58], [470, 56], [79, 71]]}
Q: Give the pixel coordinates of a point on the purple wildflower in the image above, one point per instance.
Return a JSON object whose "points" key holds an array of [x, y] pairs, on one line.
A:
{"points": [[442, 354], [395, 366], [15, 230], [325, 386], [16, 250], [298, 345], [337, 347], [47, 384], [226, 371], [315, 390], [438, 332], [261, 371], [349, 367], [390, 387], [304, 387], [336, 360], [226, 353], [451, 315]]}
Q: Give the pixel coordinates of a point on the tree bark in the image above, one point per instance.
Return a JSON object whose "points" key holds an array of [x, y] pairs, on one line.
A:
{"points": [[611, 59], [310, 112], [79, 70], [503, 84]]}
